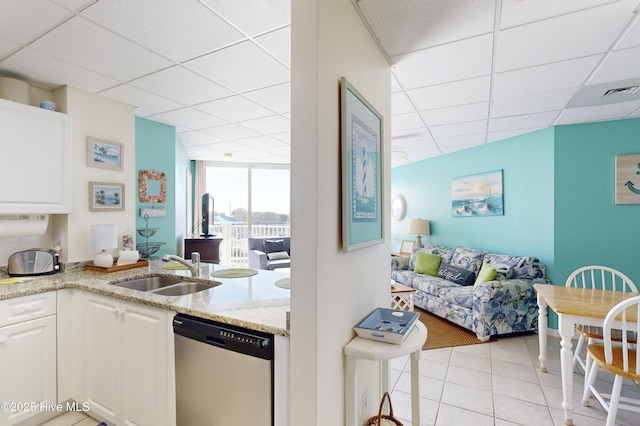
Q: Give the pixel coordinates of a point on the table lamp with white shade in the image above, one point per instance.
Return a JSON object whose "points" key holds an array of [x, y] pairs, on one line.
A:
{"points": [[103, 238], [419, 227]]}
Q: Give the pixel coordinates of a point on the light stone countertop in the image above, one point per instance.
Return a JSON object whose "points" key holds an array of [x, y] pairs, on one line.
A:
{"points": [[254, 302]]}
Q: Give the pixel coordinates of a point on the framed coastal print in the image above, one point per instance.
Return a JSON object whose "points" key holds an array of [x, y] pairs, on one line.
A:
{"points": [[361, 146], [104, 196], [104, 154], [627, 179], [477, 195]]}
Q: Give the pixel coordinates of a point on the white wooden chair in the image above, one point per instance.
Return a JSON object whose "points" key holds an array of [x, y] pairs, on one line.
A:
{"points": [[620, 358], [596, 277]]}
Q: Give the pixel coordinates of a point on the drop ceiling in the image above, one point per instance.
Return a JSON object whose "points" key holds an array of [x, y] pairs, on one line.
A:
{"points": [[464, 73]]}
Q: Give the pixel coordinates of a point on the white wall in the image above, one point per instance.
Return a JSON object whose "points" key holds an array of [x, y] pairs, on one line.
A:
{"points": [[331, 290], [97, 116]]}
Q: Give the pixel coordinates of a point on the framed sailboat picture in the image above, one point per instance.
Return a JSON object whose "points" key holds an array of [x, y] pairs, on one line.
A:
{"points": [[477, 195], [361, 143]]}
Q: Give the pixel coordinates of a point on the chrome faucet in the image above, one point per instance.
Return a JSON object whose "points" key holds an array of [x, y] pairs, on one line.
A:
{"points": [[194, 266]]}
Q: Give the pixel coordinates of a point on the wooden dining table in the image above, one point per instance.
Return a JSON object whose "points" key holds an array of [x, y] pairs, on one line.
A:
{"points": [[573, 306]]}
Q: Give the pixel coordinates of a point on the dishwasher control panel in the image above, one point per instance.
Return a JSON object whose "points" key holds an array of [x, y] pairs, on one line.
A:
{"points": [[226, 336], [247, 339]]}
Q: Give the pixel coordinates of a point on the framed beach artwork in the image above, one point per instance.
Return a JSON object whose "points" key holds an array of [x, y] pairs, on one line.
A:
{"points": [[104, 154], [480, 194], [361, 143], [627, 179], [104, 196]]}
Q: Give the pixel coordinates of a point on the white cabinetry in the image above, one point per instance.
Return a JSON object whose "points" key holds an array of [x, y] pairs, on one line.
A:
{"points": [[35, 164], [27, 356], [129, 371]]}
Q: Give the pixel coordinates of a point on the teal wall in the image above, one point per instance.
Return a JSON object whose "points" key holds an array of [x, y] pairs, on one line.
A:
{"points": [[589, 227], [559, 199], [156, 151], [527, 225]]}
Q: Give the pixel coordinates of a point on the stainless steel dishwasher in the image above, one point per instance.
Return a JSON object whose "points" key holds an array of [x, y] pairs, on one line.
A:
{"points": [[224, 374]]}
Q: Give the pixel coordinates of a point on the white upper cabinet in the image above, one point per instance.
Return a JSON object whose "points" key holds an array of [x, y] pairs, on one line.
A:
{"points": [[35, 160]]}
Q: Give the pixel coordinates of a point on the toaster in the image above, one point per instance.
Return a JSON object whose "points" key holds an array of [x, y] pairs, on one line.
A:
{"points": [[33, 262]]}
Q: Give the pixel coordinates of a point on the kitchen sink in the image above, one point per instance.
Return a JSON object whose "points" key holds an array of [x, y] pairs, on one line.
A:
{"points": [[149, 283], [183, 288], [166, 286]]}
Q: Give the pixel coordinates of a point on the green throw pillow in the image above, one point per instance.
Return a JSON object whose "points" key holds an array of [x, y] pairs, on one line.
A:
{"points": [[278, 255], [427, 263], [487, 273]]}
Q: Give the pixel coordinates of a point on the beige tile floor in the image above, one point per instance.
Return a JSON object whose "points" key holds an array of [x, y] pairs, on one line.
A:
{"points": [[72, 418], [497, 384]]}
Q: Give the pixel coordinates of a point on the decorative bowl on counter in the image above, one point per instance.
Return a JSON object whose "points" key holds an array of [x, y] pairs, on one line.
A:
{"points": [[147, 232], [147, 249]]}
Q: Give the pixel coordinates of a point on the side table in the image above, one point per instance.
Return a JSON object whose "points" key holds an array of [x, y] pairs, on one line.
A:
{"points": [[372, 350], [402, 296]]}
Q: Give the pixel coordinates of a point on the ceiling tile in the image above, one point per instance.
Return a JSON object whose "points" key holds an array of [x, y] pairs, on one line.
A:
{"points": [[24, 20], [518, 12], [7, 47], [234, 109], [178, 30], [426, 23], [619, 65], [543, 78], [400, 104], [451, 94], [598, 113], [181, 85], [261, 142], [268, 125], [457, 114], [146, 103], [283, 137], [189, 118], [456, 143], [631, 38], [458, 129], [276, 98], [565, 37], [455, 61], [235, 68], [42, 69], [89, 46], [194, 138], [278, 43], [406, 121], [520, 105], [230, 132], [531, 121], [506, 134], [253, 16]]}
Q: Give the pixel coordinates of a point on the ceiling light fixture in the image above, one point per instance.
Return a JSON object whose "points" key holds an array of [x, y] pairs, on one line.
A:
{"points": [[630, 90]]}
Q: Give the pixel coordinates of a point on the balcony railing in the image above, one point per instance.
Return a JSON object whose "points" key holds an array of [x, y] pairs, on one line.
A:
{"points": [[234, 247]]}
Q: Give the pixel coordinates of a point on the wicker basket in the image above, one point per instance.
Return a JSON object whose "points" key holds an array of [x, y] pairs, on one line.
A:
{"points": [[384, 419]]}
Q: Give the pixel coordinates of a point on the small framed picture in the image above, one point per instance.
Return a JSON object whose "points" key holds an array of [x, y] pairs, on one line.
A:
{"points": [[104, 196], [104, 154], [406, 247]]}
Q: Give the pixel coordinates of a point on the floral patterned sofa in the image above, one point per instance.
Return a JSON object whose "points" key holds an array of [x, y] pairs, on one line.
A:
{"points": [[504, 303]]}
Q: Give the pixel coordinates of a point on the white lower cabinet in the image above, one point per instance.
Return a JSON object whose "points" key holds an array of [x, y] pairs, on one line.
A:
{"points": [[129, 372], [27, 357]]}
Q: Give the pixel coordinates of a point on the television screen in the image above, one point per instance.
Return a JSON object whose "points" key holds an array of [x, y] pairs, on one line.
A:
{"points": [[207, 214]]}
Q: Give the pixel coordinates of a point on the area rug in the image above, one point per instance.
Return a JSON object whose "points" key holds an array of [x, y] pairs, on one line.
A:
{"points": [[283, 283], [445, 334], [234, 273]]}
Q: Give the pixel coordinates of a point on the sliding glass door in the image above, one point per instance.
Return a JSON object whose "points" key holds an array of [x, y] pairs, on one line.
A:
{"points": [[249, 200]]}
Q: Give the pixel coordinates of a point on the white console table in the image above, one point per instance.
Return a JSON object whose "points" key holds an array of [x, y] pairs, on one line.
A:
{"points": [[372, 350]]}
